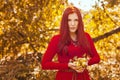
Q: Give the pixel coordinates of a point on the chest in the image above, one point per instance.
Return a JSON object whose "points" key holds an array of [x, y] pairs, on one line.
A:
{"points": [[72, 52], [75, 51]]}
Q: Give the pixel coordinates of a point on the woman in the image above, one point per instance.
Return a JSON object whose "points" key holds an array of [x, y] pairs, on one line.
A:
{"points": [[70, 42]]}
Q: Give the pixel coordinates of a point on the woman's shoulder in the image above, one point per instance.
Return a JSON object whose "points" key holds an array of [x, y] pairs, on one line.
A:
{"points": [[87, 34], [56, 37]]}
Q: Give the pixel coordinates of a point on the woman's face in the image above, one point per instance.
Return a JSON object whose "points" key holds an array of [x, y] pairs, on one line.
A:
{"points": [[73, 22]]}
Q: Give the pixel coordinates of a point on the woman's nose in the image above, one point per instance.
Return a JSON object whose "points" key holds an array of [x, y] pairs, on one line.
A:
{"points": [[72, 22]]}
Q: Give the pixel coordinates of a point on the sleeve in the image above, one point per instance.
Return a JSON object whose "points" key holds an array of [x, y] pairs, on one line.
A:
{"points": [[51, 51], [95, 58]]}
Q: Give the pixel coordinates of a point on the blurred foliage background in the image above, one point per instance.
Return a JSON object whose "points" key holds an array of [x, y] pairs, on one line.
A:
{"points": [[26, 27]]}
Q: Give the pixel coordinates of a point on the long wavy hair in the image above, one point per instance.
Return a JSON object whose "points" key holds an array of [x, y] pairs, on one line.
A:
{"points": [[64, 31]]}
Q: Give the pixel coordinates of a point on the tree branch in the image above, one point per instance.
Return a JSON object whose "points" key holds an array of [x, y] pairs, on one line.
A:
{"points": [[106, 34]]}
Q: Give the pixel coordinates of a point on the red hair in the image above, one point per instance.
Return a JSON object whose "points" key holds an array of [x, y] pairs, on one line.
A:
{"points": [[64, 30]]}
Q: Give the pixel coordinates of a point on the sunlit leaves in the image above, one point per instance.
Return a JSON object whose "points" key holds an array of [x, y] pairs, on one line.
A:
{"points": [[112, 3], [98, 22], [27, 20], [26, 26]]}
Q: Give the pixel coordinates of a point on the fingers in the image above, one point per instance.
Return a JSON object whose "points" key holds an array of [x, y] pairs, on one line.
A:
{"points": [[78, 69], [71, 65]]}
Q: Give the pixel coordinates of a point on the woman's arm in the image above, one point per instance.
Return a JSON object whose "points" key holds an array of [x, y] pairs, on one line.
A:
{"points": [[51, 51], [95, 58]]}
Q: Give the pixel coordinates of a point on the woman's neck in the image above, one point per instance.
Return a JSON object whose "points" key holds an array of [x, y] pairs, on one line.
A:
{"points": [[73, 36]]}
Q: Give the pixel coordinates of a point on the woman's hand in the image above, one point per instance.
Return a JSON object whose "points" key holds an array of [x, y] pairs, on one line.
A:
{"points": [[78, 69], [72, 65]]}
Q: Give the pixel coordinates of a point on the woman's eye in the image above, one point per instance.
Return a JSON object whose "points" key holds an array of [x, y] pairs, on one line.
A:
{"points": [[76, 19], [69, 19]]}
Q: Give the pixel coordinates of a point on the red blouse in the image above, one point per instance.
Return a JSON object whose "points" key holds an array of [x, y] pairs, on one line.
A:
{"points": [[63, 60]]}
